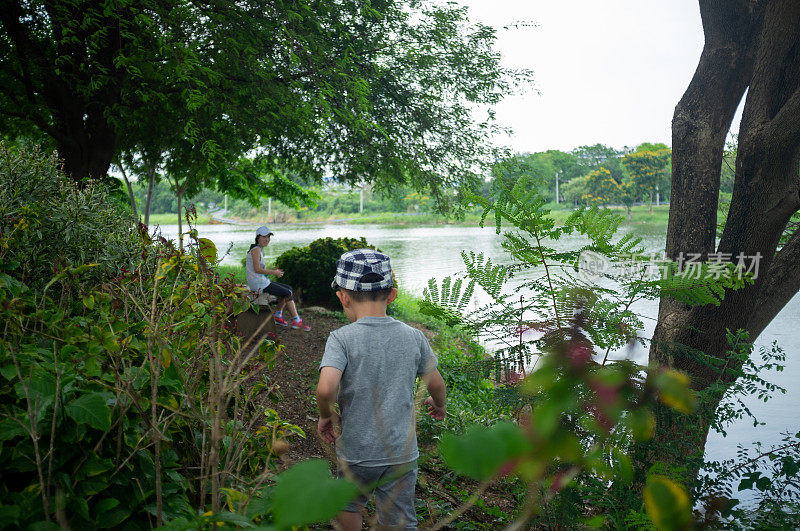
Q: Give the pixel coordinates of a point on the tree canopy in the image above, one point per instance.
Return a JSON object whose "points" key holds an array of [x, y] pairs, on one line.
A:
{"points": [[374, 92], [648, 169]]}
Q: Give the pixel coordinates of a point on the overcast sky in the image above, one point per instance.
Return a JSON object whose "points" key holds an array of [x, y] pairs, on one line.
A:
{"points": [[608, 72]]}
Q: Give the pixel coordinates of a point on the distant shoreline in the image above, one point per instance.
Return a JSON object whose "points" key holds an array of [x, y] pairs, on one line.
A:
{"points": [[639, 215]]}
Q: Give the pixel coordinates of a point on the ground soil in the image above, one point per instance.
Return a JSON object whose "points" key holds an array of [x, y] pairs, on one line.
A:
{"points": [[296, 373]]}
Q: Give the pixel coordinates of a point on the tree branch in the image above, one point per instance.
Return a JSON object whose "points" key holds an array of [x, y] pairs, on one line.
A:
{"points": [[785, 127], [40, 122], [781, 283], [702, 119]]}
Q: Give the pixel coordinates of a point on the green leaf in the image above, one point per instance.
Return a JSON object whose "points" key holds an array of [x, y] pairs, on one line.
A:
{"points": [[180, 524], [748, 481], [8, 514], [790, 467], [258, 506], [621, 464], [68, 350], [109, 514], [90, 409], [80, 506], [43, 526], [763, 484], [208, 250], [41, 388], [88, 301], [667, 503], [481, 451], [546, 417], [106, 505], [10, 429], [91, 367], [230, 518], [642, 423], [112, 518], [96, 465], [92, 486], [674, 391], [309, 480], [9, 372]]}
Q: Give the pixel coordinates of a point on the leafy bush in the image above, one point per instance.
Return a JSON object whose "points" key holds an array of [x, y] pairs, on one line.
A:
{"points": [[313, 267], [128, 405], [123, 404], [48, 224]]}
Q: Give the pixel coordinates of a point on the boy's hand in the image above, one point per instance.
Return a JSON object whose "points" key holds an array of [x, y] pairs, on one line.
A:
{"points": [[435, 411], [329, 428]]}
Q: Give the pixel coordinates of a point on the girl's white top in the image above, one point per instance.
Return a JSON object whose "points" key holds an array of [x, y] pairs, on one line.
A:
{"points": [[255, 281]]}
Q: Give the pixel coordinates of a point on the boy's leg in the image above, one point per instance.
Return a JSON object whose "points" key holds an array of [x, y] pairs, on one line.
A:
{"points": [[349, 521], [364, 476], [394, 499]]}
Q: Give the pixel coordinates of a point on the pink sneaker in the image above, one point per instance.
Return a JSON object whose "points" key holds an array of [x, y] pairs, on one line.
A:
{"points": [[280, 321], [298, 325]]}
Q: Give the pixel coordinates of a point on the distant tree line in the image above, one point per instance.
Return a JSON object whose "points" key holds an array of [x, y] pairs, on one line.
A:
{"points": [[603, 175], [330, 199]]}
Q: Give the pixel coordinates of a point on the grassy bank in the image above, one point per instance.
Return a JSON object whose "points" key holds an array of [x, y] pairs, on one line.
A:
{"points": [[639, 215], [236, 271], [172, 219], [392, 218], [382, 218]]}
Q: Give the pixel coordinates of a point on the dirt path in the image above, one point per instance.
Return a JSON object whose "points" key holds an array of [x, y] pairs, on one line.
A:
{"points": [[296, 372]]}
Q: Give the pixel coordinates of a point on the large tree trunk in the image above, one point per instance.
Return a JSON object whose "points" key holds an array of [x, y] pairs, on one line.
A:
{"points": [[749, 45], [61, 92], [86, 149]]}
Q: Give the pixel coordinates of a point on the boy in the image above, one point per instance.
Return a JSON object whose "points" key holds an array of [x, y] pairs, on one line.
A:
{"points": [[373, 363]]}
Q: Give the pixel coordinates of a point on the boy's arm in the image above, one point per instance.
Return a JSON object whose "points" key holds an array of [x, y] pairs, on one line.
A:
{"points": [[437, 401], [327, 389]]}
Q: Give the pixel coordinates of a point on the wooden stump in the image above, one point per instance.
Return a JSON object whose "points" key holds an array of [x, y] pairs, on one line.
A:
{"points": [[253, 326]]}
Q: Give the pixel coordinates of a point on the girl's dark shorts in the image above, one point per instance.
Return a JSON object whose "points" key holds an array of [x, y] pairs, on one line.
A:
{"points": [[282, 291]]}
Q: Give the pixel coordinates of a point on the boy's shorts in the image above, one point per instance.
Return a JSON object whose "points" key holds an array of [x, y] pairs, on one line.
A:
{"points": [[394, 487]]}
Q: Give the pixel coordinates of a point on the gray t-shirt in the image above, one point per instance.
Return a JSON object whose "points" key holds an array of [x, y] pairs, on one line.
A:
{"points": [[380, 359]]}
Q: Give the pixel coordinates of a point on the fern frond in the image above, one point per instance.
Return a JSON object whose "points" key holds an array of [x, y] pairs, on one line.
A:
{"points": [[700, 287], [450, 296], [598, 224], [489, 276]]}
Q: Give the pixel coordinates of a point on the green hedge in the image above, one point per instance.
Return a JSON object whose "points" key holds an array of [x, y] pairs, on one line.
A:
{"points": [[312, 268]]}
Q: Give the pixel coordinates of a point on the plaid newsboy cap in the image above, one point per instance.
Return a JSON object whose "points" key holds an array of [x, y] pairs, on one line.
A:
{"points": [[352, 266]]}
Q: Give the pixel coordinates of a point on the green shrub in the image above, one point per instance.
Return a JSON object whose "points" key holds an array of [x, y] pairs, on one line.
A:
{"points": [[313, 267], [126, 407], [48, 224]]}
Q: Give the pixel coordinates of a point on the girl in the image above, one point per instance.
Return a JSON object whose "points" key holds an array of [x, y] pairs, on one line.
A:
{"points": [[258, 282]]}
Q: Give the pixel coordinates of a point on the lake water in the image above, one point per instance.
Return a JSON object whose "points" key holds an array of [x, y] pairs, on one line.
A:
{"points": [[420, 253]]}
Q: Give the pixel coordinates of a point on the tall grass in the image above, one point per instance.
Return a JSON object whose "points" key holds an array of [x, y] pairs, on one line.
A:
{"points": [[237, 272]]}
